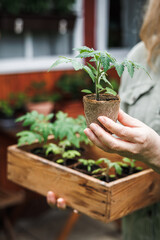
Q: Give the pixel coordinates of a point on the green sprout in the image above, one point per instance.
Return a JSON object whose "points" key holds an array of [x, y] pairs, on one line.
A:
{"points": [[60, 148], [88, 162], [131, 163], [105, 171], [40, 128], [69, 131], [103, 61]]}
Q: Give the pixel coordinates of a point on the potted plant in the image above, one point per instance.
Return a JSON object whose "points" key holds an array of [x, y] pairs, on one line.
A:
{"points": [[104, 101], [11, 108], [39, 99]]}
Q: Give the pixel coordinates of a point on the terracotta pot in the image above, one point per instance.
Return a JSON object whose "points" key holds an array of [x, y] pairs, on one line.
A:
{"points": [[41, 107], [107, 106]]}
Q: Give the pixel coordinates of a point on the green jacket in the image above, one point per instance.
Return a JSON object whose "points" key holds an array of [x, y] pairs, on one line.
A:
{"points": [[140, 98]]}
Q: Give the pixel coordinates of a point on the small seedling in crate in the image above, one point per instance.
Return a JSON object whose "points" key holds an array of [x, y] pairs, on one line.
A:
{"points": [[105, 171]]}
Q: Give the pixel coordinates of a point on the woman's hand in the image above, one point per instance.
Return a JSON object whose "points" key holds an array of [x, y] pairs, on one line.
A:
{"points": [[133, 139], [52, 200]]}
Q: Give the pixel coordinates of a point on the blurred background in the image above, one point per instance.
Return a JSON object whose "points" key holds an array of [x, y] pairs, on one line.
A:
{"points": [[33, 33]]}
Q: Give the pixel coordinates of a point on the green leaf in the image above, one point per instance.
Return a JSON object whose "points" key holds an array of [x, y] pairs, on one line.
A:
{"points": [[139, 168], [71, 154], [103, 77], [119, 68], [130, 67], [83, 49], [99, 161], [112, 175], [20, 119], [123, 164], [49, 116], [52, 148], [127, 160], [89, 71], [60, 161], [86, 91], [118, 168], [105, 160], [92, 60], [28, 137], [65, 143], [99, 86], [99, 170], [61, 115], [83, 161], [77, 65], [60, 61], [45, 132], [85, 55], [138, 66], [105, 61], [110, 91], [133, 163], [92, 68]]}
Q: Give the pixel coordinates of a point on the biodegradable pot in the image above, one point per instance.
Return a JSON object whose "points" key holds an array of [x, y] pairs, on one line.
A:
{"points": [[108, 106]]}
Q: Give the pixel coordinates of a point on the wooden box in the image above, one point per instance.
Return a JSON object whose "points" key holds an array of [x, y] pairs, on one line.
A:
{"points": [[98, 199]]}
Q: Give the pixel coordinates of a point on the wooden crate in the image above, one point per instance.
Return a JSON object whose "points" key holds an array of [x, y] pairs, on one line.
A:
{"points": [[98, 199]]}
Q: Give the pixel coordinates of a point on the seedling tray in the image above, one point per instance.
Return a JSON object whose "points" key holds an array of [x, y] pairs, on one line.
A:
{"points": [[95, 198]]}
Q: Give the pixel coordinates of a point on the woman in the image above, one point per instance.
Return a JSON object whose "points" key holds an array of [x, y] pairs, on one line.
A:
{"points": [[138, 139]]}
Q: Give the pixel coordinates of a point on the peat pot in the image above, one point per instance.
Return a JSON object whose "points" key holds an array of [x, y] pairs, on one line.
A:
{"points": [[108, 106]]}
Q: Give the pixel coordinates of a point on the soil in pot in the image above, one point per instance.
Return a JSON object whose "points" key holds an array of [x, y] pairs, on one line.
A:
{"points": [[108, 105], [81, 150], [68, 162], [39, 151], [82, 168], [103, 178], [128, 171]]}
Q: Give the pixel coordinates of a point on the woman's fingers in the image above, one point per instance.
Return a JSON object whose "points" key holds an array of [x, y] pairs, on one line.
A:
{"points": [[52, 200], [94, 139], [111, 142], [124, 132], [127, 120], [61, 203]]}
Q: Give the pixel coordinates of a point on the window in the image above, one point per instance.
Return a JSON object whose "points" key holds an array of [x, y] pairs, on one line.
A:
{"points": [[125, 22], [34, 49], [118, 23]]}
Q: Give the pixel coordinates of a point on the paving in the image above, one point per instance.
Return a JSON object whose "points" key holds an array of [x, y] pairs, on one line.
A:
{"points": [[49, 225]]}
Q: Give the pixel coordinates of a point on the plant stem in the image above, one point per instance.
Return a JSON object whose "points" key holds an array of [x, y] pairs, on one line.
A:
{"points": [[107, 175], [130, 170], [97, 93], [97, 82]]}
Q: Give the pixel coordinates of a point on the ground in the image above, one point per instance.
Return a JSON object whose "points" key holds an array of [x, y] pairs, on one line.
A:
{"points": [[48, 226]]}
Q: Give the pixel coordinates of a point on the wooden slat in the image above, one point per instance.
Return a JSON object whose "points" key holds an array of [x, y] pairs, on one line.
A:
{"points": [[100, 200], [134, 192], [80, 191]]}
